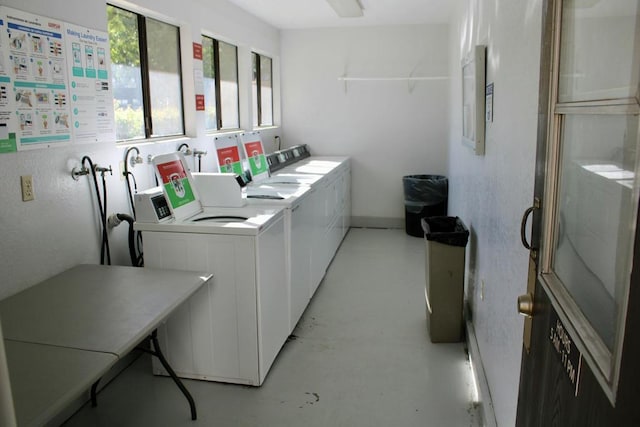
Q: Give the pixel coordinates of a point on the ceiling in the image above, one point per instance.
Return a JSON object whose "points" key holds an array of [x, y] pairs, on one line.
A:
{"points": [[298, 14]]}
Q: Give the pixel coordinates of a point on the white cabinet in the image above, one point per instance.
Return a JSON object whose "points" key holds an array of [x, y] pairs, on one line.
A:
{"points": [[233, 328]]}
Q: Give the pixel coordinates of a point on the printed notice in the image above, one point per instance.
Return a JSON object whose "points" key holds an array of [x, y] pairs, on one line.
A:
{"points": [[257, 159], [7, 128], [228, 154], [92, 117], [176, 183], [570, 357], [36, 79]]}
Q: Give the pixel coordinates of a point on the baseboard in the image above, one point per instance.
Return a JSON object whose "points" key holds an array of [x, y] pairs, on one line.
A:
{"points": [[484, 395], [376, 222]]}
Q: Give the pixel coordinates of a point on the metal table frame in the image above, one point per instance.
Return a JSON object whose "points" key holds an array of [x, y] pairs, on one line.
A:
{"points": [[102, 309]]}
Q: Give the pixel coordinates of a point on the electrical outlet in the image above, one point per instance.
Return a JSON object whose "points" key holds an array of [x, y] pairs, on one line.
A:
{"points": [[26, 183]]}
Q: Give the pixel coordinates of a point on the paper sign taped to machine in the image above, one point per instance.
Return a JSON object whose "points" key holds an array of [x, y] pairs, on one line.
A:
{"points": [[175, 181]]}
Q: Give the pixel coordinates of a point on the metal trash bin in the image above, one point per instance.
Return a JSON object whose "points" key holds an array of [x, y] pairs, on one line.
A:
{"points": [[445, 240], [424, 196]]}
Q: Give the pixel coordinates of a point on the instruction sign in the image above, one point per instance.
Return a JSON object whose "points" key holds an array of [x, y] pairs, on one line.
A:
{"points": [[258, 166], [7, 134], [92, 113], [34, 49], [228, 154], [176, 183], [566, 350], [55, 83]]}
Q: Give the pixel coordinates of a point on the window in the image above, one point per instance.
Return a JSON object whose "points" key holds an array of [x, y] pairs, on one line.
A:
{"points": [[262, 91], [220, 62], [147, 88]]}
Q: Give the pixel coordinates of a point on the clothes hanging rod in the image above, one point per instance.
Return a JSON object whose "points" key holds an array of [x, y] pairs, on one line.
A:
{"points": [[352, 79]]}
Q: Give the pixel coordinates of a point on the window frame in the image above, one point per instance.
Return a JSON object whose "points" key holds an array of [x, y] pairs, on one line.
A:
{"points": [[258, 79], [141, 18], [217, 84]]}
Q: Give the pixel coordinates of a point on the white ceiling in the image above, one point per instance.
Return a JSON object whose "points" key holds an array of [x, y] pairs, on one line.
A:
{"points": [[290, 14]]}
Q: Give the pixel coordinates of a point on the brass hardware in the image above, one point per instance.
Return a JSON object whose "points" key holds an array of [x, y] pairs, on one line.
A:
{"points": [[525, 305], [523, 224]]}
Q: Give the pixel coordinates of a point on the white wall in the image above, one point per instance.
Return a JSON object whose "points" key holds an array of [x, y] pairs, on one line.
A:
{"points": [[60, 228], [491, 192], [387, 128]]}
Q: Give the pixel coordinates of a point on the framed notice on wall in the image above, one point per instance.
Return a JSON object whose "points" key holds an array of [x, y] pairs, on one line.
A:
{"points": [[473, 99]]}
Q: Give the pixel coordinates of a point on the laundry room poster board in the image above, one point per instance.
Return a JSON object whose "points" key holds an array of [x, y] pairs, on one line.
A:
{"points": [[177, 185], [38, 109], [228, 154], [90, 85], [254, 151]]}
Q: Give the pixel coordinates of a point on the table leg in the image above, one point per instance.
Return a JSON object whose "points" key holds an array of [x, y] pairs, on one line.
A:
{"points": [[94, 390], [158, 353]]}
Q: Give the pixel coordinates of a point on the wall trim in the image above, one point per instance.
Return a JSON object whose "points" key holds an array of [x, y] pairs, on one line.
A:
{"points": [[484, 394]]}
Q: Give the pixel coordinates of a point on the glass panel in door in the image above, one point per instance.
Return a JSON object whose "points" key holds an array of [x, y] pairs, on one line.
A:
{"points": [[595, 221]]}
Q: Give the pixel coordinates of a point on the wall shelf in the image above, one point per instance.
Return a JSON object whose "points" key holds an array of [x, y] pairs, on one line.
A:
{"points": [[409, 79]]}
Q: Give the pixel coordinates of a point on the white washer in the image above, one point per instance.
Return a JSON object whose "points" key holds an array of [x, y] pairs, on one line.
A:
{"points": [[298, 204], [234, 327]]}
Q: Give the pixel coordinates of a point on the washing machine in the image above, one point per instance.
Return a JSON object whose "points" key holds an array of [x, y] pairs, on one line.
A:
{"points": [[232, 329], [298, 204]]}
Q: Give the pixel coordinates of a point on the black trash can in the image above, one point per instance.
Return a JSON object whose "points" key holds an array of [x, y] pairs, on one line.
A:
{"points": [[446, 238], [424, 196]]}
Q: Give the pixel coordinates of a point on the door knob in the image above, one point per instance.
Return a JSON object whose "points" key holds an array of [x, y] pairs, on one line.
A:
{"points": [[525, 305]]}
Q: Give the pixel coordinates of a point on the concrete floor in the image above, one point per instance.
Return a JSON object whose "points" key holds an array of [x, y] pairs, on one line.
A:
{"points": [[360, 356]]}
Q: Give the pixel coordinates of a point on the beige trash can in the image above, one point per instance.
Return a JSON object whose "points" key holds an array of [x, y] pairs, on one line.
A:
{"points": [[445, 242]]}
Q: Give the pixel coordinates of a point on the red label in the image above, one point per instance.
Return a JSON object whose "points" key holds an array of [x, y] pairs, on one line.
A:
{"points": [[197, 51], [228, 155], [199, 102], [171, 171], [253, 148]]}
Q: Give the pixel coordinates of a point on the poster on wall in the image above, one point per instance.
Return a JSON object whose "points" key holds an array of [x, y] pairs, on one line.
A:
{"points": [[228, 154], [92, 116], [7, 133], [33, 49]]}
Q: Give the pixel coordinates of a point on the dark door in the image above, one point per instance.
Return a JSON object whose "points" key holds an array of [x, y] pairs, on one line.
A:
{"points": [[582, 334]]}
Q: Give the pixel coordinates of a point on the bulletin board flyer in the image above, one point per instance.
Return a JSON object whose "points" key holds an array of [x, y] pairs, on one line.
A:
{"points": [[33, 50]]}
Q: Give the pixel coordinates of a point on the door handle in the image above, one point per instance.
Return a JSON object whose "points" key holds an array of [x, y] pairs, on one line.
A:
{"points": [[525, 305], [523, 225]]}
